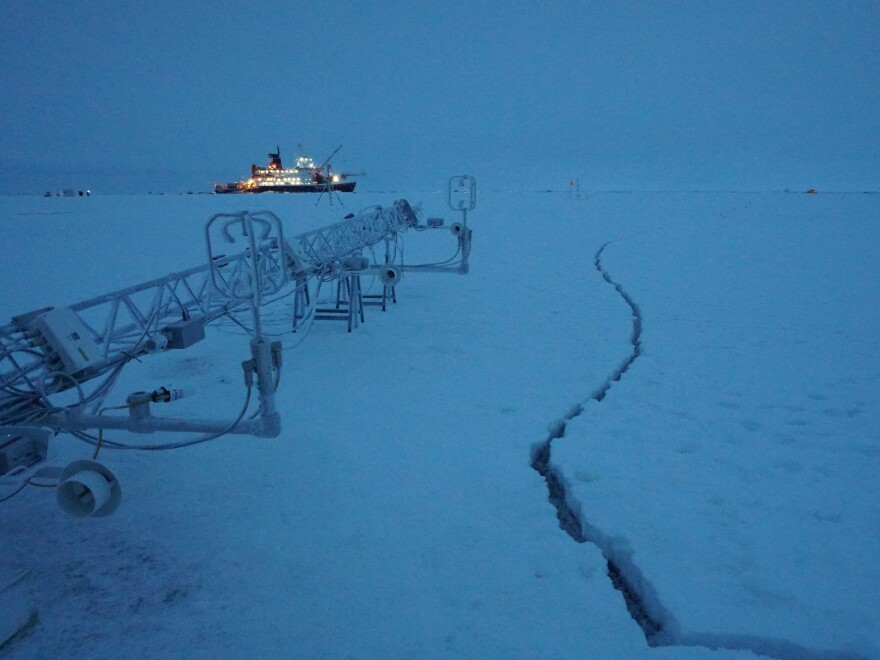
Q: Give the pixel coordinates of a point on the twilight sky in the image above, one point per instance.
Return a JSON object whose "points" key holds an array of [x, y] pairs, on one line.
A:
{"points": [[757, 95]]}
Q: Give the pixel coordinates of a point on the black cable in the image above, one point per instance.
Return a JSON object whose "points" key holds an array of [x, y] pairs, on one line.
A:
{"points": [[15, 492]]}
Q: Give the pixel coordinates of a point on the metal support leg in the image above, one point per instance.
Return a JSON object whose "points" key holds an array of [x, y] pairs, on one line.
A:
{"points": [[349, 303], [301, 301]]}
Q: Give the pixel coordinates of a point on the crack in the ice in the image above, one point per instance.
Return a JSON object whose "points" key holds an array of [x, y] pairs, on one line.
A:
{"points": [[658, 624], [624, 575]]}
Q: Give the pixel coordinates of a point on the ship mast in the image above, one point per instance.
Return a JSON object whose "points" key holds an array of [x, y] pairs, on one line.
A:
{"points": [[328, 180]]}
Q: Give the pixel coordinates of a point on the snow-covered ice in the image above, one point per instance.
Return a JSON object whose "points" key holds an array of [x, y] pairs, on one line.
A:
{"points": [[398, 515], [735, 462]]}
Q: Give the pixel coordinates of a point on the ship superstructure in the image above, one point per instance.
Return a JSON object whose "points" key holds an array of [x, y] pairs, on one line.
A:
{"points": [[305, 176]]}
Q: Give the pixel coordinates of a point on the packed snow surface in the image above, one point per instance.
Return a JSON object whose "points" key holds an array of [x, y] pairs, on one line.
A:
{"points": [[725, 470]]}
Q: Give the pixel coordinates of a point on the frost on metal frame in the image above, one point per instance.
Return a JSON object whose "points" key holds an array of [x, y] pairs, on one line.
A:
{"points": [[52, 353]]}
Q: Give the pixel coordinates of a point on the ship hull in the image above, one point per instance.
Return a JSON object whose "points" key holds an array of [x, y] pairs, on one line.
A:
{"points": [[345, 186]]}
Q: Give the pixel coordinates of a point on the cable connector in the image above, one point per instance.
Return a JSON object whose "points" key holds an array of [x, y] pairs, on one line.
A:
{"points": [[277, 357], [249, 366], [166, 394], [36, 340]]}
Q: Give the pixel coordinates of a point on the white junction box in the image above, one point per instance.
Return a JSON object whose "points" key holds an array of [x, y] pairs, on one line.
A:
{"points": [[21, 450], [68, 337], [18, 610]]}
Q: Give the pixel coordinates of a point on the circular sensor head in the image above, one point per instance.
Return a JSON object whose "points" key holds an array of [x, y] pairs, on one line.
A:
{"points": [[87, 488], [390, 275]]}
